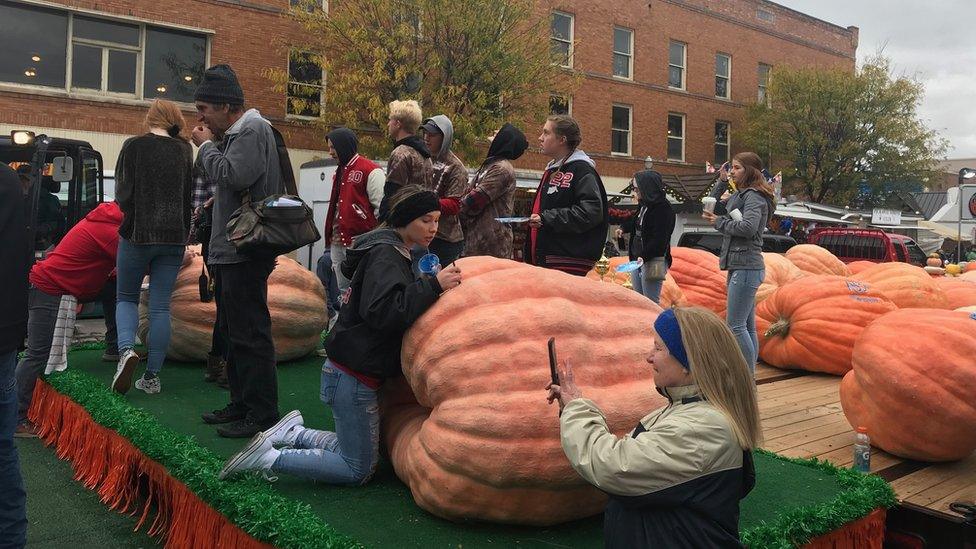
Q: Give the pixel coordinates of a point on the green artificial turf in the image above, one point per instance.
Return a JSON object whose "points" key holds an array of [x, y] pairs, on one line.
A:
{"points": [[791, 502]]}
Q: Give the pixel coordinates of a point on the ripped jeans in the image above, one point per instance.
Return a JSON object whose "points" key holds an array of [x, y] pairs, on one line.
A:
{"points": [[349, 455]]}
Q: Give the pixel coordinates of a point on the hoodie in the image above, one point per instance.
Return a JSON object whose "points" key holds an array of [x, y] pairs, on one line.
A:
{"points": [[409, 164], [572, 203], [653, 224], [84, 260], [14, 258], [383, 301], [450, 182], [357, 191]]}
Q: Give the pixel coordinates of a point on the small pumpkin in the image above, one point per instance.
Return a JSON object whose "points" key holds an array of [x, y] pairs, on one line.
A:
{"points": [[953, 269], [970, 267], [858, 266], [466, 428], [906, 285], [779, 271], [933, 261], [671, 294], [912, 384], [814, 259], [959, 292], [812, 323], [699, 277]]}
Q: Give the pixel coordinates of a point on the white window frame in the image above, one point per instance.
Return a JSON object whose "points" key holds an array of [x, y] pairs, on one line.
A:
{"points": [[569, 102], [684, 131], [727, 77], [325, 6], [683, 66], [761, 92], [629, 130], [727, 143], [630, 56], [288, 97], [106, 47], [572, 36]]}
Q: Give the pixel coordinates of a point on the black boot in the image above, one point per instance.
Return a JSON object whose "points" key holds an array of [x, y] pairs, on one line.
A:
{"points": [[216, 368]]}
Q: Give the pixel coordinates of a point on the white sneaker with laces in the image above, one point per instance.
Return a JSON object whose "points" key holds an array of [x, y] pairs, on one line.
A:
{"points": [[285, 431], [258, 455], [150, 386], [122, 381]]}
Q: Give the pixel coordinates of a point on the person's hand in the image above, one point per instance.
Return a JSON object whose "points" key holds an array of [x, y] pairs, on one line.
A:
{"points": [[535, 221], [566, 391], [726, 196], [710, 216], [619, 233], [449, 277], [209, 202], [201, 134], [187, 257], [723, 174]]}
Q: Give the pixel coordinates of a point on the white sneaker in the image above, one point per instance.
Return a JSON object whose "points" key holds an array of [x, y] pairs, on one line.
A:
{"points": [[258, 455], [122, 381], [284, 432], [150, 386]]}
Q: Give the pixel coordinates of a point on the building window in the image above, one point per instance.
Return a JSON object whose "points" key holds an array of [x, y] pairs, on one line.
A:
{"points": [[560, 104], [98, 55], [623, 48], [723, 75], [676, 65], [763, 74], [676, 137], [721, 143], [620, 121], [765, 15], [310, 5], [561, 32], [304, 85]]}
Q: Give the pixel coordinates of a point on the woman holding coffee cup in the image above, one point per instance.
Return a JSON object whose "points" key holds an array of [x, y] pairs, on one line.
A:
{"points": [[750, 210]]}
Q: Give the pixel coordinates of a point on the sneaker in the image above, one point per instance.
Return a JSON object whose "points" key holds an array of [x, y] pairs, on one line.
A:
{"points": [[242, 428], [122, 381], [258, 455], [25, 429], [284, 432], [150, 386], [227, 414], [113, 356]]}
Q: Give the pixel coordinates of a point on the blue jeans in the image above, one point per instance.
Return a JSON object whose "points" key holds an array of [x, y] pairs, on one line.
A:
{"points": [[741, 314], [323, 269], [13, 498], [162, 263], [349, 455], [652, 290]]}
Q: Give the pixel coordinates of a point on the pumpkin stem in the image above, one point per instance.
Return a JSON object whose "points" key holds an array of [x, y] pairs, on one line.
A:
{"points": [[779, 328]]}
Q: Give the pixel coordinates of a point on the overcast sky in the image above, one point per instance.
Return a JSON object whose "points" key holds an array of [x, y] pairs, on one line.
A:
{"points": [[933, 40]]}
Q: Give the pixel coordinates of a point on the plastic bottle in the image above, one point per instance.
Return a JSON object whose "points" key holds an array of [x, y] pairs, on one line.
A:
{"points": [[862, 451]]}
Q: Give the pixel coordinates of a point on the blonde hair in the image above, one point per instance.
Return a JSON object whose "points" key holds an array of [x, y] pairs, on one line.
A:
{"points": [[165, 115], [720, 371], [408, 113]]}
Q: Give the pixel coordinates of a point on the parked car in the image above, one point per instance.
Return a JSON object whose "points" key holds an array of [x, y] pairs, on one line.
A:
{"points": [[711, 241], [854, 244]]}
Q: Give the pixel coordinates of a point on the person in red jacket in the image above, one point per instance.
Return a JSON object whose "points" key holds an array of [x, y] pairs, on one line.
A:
{"points": [[80, 266]]}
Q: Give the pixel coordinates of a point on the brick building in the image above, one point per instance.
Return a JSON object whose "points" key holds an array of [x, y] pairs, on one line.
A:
{"points": [[667, 79]]}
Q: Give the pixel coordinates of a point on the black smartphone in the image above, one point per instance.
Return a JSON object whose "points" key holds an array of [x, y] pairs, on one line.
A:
{"points": [[552, 361]]}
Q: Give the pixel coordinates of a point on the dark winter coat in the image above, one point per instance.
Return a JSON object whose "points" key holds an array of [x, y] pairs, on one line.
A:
{"points": [[651, 226], [153, 186], [14, 258]]}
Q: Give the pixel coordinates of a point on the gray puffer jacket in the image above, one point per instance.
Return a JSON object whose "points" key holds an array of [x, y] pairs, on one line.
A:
{"points": [[742, 245]]}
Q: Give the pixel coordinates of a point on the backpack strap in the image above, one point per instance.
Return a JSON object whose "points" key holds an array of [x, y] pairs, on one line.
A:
{"points": [[284, 163]]}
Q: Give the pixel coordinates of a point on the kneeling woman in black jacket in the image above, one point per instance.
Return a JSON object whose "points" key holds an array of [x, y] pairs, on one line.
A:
{"points": [[383, 300]]}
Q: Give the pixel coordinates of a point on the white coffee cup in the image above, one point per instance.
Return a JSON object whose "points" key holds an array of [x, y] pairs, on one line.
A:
{"points": [[708, 204], [736, 215]]}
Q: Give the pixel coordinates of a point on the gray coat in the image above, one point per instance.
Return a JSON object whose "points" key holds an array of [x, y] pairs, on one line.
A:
{"points": [[742, 242], [246, 158]]}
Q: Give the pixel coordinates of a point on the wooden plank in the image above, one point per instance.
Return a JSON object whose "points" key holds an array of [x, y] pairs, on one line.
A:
{"points": [[936, 481], [810, 401], [844, 457], [808, 436], [792, 385], [800, 415], [801, 426], [800, 394], [964, 495]]}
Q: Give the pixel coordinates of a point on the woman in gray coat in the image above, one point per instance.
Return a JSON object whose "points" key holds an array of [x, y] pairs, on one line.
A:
{"points": [[749, 211]]}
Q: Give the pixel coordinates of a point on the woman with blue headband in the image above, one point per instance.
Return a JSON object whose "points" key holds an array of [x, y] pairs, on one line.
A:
{"points": [[677, 478]]}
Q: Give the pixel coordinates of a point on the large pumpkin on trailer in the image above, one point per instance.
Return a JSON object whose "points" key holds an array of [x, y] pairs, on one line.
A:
{"points": [[698, 276], [812, 323], [906, 285], [857, 266], [296, 300], [478, 441], [779, 271], [959, 293], [913, 383], [814, 259]]}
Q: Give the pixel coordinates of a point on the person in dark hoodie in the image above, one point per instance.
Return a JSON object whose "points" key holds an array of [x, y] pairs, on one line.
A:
{"points": [[410, 162], [569, 221], [492, 195], [450, 183], [650, 231], [357, 191], [363, 348]]}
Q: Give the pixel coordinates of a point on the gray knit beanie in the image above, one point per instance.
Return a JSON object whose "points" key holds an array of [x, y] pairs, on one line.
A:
{"points": [[220, 86]]}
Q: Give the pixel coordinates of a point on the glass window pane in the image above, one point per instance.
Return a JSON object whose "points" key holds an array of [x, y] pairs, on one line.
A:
{"points": [[721, 132], [722, 65], [621, 40], [763, 73], [721, 86], [677, 54], [721, 154], [122, 71], [303, 69], [620, 118], [619, 142], [675, 128], [562, 26], [621, 65], [674, 149], [86, 67], [174, 64], [561, 51], [558, 104], [675, 79], [105, 31], [33, 43], [304, 100]]}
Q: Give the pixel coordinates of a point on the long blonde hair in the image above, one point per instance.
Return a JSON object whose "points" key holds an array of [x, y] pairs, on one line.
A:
{"points": [[165, 115], [720, 371]]}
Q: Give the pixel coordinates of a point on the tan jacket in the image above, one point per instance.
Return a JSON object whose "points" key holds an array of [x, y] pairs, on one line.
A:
{"points": [[450, 180], [495, 192]]}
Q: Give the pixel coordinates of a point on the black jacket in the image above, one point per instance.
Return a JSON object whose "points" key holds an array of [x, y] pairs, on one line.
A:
{"points": [[153, 184], [384, 300], [573, 206], [14, 259], [652, 224]]}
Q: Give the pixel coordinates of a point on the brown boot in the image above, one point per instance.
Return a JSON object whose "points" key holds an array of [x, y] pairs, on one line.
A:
{"points": [[222, 377], [215, 367]]}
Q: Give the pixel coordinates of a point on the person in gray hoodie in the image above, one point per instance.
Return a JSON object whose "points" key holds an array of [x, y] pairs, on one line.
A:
{"points": [[245, 160], [450, 184], [750, 209]]}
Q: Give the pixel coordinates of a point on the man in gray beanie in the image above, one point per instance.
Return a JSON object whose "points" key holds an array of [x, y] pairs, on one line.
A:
{"points": [[246, 158]]}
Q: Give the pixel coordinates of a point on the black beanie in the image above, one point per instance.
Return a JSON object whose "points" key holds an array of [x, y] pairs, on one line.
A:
{"points": [[220, 86], [412, 207]]}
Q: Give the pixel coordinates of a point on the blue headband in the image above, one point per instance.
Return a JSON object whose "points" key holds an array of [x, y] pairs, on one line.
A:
{"points": [[669, 331]]}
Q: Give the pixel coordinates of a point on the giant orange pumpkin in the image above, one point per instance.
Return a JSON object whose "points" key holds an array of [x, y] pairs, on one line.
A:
{"points": [[478, 441], [698, 276], [858, 266], [779, 271], [906, 285], [970, 274], [812, 323], [296, 300], [813, 259], [959, 292], [913, 383]]}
